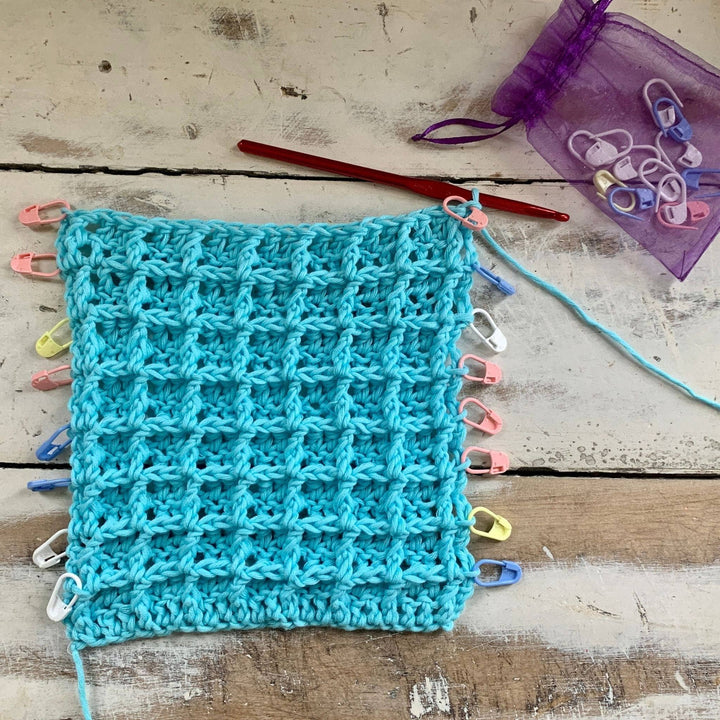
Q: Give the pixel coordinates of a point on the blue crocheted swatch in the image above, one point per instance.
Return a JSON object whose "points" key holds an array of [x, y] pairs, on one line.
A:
{"points": [[265, 424]]}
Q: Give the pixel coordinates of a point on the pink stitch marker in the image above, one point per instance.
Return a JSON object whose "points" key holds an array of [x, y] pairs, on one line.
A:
{"points": [[493, 373], [490, 424], [496, 462]]}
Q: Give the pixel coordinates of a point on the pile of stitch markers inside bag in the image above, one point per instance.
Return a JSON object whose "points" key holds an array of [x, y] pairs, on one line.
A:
{"points": [[653, 186], [584, 77]]}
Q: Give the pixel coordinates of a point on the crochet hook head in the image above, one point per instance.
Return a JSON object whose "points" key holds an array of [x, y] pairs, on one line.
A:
{"points": [[429, 188]]}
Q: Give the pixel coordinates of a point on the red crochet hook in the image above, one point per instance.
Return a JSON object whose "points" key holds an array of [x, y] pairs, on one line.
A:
{"points": [[429, 188]]}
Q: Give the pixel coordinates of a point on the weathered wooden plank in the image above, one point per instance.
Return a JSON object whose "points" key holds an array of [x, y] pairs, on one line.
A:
{"points": [[666, 523], [630, 520], [169, 84], [616, 615], [328, 674], [569, 400], [620, 622]]}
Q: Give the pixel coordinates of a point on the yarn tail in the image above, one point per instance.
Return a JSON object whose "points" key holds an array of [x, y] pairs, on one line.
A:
{"points": [[82, 694], [613, 337]]}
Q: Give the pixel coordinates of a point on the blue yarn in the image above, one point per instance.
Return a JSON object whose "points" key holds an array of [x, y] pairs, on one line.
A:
{"points": [[265, 424], [609, 334], [80, 670]]}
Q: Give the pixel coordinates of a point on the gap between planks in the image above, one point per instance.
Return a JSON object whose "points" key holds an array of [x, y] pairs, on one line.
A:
{"points": [[521, 472], [263, 175]]}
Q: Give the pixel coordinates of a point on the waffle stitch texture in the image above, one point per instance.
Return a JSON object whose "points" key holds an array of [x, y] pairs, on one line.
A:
{"points": [[265, 423]]}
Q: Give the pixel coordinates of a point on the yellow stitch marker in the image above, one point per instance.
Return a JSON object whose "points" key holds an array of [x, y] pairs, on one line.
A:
{"points": [[500, 529], [604, 180], [47, 347]]}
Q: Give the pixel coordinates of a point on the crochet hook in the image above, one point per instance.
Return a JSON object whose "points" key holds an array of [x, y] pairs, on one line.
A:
{"points": [[429, 188]]}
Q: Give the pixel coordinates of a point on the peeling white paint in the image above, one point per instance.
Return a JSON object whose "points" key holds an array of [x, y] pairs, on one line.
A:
{"points": [[610, 694], [431, 695], [696, 706], [58, 698], [681, 681], [605, 609]]}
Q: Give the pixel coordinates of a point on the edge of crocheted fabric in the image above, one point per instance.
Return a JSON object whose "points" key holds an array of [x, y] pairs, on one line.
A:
{"points": [[75, 260]]}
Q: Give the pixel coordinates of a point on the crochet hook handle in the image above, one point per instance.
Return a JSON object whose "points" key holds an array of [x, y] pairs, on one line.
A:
{"points": [[429, 188]]}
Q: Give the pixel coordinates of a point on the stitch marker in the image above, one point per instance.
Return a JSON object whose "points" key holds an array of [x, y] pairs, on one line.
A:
{"points": [[604, 181], [30, 216], [665, 117], [691, 158], [495, 340], [490, 422], [680, 131], [624, 168], [43, 380], [44, 556], [645, 200], [22, 263], [601, 152], [476, 220], [45, 485], [692, 179], [510, 573], [493, 373], [52, 447], [502, 285], [47, 346], [497, 462], [500, 529], [57, 609], [669, 187]]}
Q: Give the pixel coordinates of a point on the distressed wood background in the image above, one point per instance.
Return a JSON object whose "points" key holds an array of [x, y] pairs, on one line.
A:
{"points": [[613, 491]]}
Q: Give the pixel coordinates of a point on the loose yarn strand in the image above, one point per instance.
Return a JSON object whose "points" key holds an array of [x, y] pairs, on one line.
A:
{"points": [[612, 336], [82, 691]]}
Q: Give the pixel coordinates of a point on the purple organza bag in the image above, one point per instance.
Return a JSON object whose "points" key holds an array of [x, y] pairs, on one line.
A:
{"points": [[586, 71]]}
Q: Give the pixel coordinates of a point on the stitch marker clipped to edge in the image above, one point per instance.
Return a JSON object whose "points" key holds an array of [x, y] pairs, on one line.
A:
{"points": [[45, 485], [510, 573], [493, 373]]}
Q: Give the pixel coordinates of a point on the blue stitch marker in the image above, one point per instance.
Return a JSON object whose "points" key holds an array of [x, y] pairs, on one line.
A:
{"points": [[45, 485], [50, 449], [510, 573], [502, 285]]}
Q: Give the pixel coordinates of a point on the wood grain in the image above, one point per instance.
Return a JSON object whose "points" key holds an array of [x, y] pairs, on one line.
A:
{"points": [[176, 84], [615, 617], [137, 106], [649, 522], [569, 401], [629, 520], [319, 674]]}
